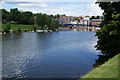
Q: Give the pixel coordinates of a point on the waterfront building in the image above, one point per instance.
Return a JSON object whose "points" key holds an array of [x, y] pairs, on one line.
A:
{"points": [[96, 22]]}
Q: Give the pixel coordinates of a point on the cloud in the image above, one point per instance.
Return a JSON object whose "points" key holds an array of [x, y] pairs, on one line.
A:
{"points": [[12, 1], [32, 5], [54, 7], [49, 0], [78, 9]]}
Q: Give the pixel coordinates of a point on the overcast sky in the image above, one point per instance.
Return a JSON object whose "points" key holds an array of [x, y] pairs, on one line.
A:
{"points": [[68, 7]]}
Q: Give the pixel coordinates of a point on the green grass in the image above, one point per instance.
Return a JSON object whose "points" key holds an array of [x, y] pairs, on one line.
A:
{"points": [[108, 70], [15, 27]]}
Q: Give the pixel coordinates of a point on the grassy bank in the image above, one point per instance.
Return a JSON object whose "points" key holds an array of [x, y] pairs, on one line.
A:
{"points": [[16, 27], [108, 70], [23, 28]]}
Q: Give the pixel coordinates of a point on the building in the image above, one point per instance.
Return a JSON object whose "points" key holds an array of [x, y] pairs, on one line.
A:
{"points": [[84, 20], [65, 19], [96, 22]]}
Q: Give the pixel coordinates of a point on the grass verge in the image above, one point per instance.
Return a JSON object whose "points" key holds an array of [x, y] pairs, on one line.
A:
{"points": [[108, 70], [16, 27]]}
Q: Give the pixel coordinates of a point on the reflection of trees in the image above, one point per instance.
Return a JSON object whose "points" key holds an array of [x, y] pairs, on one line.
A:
{"points": [[102, 59]]}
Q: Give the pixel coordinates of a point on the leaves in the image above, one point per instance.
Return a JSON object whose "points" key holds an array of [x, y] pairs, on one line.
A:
{"points": [[46, 21], [109, 35]]}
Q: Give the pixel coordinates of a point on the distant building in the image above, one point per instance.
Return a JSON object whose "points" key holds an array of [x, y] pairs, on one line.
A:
{"points": [[84, 20], [65, 19], [74, 22], [96, 22], [87, 18]]}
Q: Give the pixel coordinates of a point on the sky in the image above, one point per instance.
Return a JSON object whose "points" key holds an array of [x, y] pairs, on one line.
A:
{"points": [[68, 7]]}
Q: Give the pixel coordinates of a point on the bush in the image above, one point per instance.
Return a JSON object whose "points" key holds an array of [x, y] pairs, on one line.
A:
{"points": [[7, 28]]}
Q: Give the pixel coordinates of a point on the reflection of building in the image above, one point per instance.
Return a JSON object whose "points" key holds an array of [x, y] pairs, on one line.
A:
{"points": [[96, 22]]}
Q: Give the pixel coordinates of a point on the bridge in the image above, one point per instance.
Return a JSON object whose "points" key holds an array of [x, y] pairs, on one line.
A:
{"points": [[81, 27], [69, 24]]}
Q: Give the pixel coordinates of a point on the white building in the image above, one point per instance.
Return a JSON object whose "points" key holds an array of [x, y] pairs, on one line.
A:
{"points": [[86, 20], [74, 22]]}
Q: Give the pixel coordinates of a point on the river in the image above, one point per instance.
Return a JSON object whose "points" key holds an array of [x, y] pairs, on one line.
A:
{"points": [[69, 54]]}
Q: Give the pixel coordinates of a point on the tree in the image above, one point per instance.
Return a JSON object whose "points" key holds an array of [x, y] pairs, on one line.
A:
{"points": [[40, 20], [6, 16], [16, 16], [46, 21], [7, 28], [109, 35], [26, 17], [97, 17], [93, 17]]}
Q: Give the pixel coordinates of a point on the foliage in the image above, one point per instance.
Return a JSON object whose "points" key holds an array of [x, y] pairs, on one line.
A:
{"points": [[16, 16], [6, 16], [16, 27], [46, 21], [109, 35], [76, 19], [28, 18], [96, 17], [6, 28]]}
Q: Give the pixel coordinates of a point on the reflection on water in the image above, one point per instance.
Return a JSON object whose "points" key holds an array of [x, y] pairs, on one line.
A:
{"points": [[48, 55]]}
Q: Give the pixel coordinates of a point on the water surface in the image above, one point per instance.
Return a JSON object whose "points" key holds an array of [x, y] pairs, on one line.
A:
{"points": [[48, 55]]}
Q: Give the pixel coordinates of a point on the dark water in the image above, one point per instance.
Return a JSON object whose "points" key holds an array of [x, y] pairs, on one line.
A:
{"points": [[48, 55]]}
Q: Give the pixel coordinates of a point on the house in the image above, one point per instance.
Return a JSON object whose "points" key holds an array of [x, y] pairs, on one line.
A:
{"points": [[96, 22], [86, 20], [65, 19]]}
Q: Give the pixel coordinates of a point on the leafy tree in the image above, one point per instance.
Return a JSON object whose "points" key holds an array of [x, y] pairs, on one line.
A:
{"points": [[26, 17], [6, 16], [76, 19], [7, 28], [39, 19], [46, 21], [15, 14], [57, 16], [31, 20], [93, 17], [97, 17], [109, 35]]}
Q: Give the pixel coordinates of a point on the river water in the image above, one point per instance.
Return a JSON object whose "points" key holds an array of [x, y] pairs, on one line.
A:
{"points": [[69, 54]]}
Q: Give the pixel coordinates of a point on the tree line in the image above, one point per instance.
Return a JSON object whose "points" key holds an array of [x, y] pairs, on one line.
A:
{"points": [[16, 16], [43, 21]]}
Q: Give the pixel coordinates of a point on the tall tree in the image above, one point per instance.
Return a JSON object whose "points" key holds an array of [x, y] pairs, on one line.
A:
{"points": [[93, 17], [109, 35], [46, 21], [15, 14], [27, 17], [6, 16]]}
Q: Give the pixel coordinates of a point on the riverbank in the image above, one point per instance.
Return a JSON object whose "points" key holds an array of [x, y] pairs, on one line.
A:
{"points": [[18, 27], [35, 28], [26, 28], [108, 70]]}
